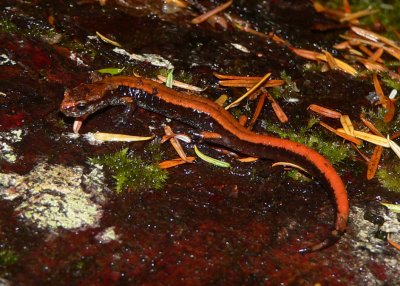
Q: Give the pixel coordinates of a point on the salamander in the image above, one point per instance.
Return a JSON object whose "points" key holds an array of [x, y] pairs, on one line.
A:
{"points": [[204, 114]]}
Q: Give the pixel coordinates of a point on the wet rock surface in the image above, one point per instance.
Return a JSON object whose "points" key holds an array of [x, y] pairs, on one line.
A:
{"points": [[60, 221]]}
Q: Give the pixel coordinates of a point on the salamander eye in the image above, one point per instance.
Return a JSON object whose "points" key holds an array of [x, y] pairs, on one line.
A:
{"points": [[81, 105]]}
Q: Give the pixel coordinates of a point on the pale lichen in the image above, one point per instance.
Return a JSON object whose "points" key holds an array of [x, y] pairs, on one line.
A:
{"points": [[53, 196], [5, 60], [107, 235], [153, 59], [7, 139]]}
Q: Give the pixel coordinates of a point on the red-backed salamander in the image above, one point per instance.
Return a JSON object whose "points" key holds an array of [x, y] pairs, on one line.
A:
{"points": [[208, 116]]}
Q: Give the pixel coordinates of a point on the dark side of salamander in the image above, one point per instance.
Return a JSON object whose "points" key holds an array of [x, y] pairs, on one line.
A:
{"points": [[88, 98]]}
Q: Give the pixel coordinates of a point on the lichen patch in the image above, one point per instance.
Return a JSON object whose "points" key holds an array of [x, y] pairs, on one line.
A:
{"points": [[57, 197], [7, 152]]}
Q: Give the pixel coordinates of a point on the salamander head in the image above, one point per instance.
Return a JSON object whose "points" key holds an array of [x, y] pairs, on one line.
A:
{"points": [[84, 100], [80, 101]]}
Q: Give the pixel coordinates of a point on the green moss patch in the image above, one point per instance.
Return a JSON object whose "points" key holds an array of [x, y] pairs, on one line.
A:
{"points": [[133, 172], [332, 149], [389, 177], [8, 257]]}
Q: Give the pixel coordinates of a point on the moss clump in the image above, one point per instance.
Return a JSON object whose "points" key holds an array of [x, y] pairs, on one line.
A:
{"points": [[332, 149], [185, 77], [49, 35], [132, 172], [8, 257], [388, 11], [289, 89], [392, 83], [82, 49], [387, 174], [7, 26], [37, 30], [312, 67], [236, 113], [376, 117], [389, 178], [297, 175]]}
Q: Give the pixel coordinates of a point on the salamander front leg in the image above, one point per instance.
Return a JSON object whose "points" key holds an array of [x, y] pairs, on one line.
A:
{"points": [[130, 108]]}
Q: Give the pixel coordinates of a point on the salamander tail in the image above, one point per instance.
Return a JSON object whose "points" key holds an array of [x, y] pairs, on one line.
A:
{"points": [[327, 242]]}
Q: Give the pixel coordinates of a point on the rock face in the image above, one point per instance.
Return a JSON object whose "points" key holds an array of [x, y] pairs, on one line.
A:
{"points": [[61, 225]]}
